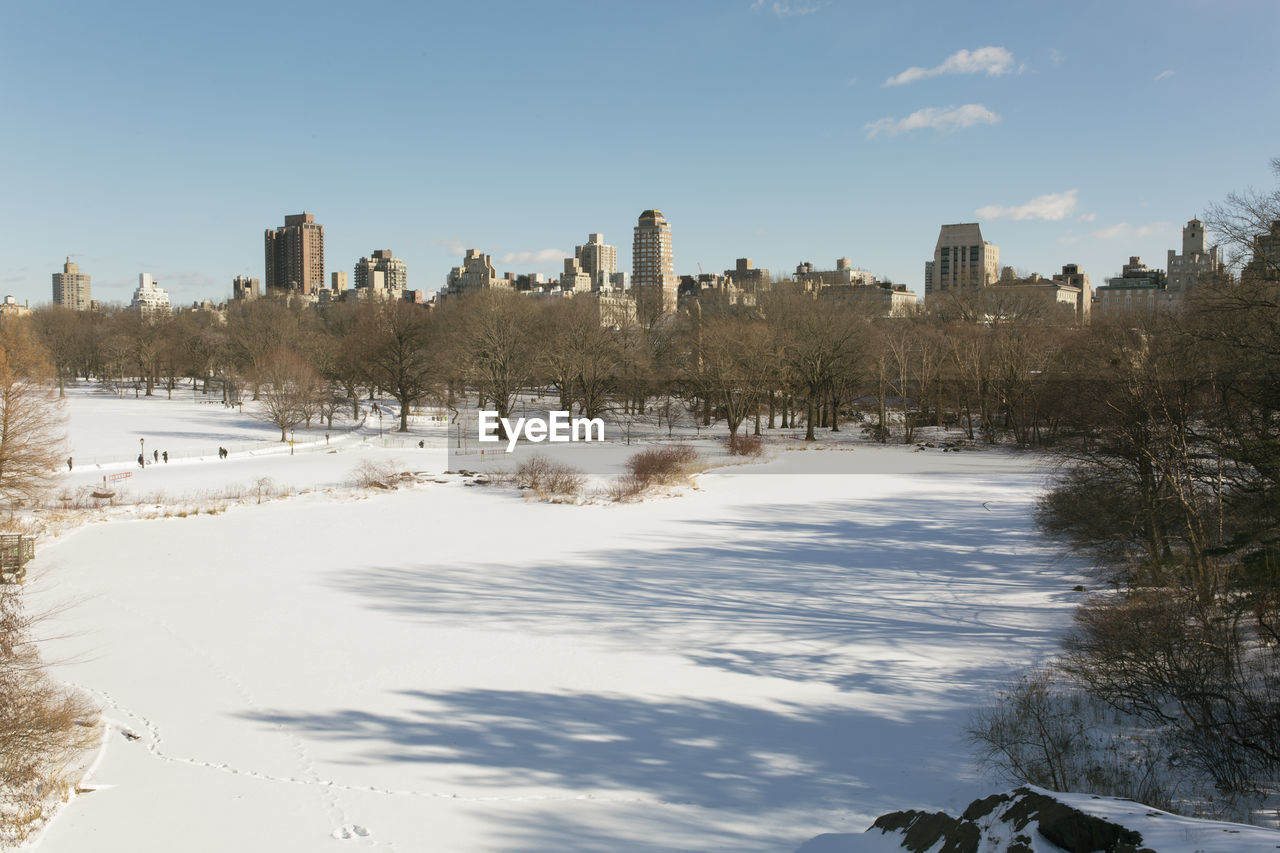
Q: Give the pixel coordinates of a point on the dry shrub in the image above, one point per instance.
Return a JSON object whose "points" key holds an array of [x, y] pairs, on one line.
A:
{"points": [[43, 727], [549, 479], [625, 488], [1044, 729], [663, 466], [371, 474], [741, 444]]}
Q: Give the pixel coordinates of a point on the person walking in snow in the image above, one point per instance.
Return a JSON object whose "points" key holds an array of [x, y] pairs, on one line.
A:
{"points": [[156, 455], [68, 463], [166, 457], [142, 463]]}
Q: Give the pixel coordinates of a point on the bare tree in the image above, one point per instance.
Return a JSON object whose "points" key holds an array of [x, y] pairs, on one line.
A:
{"points": [[815, 343], [735, 366], [60, 331], [493, 346], [30, 440], [398, 352], [288, 387]]}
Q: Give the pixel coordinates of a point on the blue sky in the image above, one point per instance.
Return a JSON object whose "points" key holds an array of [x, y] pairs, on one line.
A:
{"points": [[165, 137]]}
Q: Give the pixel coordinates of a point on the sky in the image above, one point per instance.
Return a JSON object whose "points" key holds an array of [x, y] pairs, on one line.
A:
{"points": [[166, 137]]}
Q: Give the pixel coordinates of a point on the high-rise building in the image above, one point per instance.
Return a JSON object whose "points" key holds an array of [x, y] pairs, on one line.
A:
{"points": [[338, 281], [151, 300], [392, 282], [575, 279], [653, 275], [598, 260], [295, 256], [962, 260], [476, 273], [1185, 269], [71, 287], [243, 287]]}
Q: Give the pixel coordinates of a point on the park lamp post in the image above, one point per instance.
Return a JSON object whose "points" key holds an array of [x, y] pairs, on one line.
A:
{"points": [[142, 450]]}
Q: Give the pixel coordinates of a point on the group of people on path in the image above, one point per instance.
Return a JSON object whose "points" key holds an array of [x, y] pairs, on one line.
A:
{"points": [[142, 460]]}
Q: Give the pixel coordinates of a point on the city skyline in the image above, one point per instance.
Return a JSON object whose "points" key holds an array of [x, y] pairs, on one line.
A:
{"points": [[789, 132]]}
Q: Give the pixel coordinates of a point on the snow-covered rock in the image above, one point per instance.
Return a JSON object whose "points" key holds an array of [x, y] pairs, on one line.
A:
{"points": [[1033, 820]]}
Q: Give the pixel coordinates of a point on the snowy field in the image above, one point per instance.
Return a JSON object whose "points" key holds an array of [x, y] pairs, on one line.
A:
{"points": [[768, 656]]}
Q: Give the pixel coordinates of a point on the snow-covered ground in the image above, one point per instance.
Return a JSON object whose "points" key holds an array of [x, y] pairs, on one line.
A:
{"points": [[769, 656]]}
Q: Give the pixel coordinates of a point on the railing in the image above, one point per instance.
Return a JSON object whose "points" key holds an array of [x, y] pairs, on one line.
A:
{"points": [[15, 551]]}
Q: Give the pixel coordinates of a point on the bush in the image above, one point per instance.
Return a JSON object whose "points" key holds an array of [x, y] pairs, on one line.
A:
{"points": [[549, 479], [371, 474], [663, 466], [745, 445]]}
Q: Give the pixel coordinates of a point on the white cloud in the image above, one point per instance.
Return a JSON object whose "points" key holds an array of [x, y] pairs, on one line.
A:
{"points": [[1165, 75], [1111, 232], [1088, 217], [939, 118], [1056, 57], [992, 61], [1124, 229], [1051, 206], [542, 256], [451, 246], [791, 8]]}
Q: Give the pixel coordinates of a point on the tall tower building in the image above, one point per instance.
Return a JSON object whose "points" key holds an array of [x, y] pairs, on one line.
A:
{"points": [[962, 260], [653, 275], [598, 260], [150, 299], [295, 255], [1186, 269], [71, 287], [394, 279]]}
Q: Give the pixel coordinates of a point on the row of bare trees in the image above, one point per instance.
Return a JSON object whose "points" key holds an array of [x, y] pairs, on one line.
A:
{"points": [[984, 363]]}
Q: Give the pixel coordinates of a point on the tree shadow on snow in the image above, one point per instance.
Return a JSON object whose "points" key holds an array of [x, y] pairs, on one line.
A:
{"points": [[707, 753], [907, 597]]}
